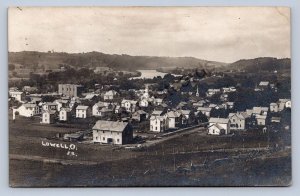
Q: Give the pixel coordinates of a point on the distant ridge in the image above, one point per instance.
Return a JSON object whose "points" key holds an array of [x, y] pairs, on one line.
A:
{"points": [[52, 60], [261, 64]]}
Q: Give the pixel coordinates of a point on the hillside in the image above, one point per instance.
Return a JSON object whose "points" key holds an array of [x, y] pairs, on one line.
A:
{"points": [[261, 64], [53, 60]]}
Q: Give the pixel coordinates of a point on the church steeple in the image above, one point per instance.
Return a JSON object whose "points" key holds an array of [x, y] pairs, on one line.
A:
{"points": [[197, 92], [146, 94]]}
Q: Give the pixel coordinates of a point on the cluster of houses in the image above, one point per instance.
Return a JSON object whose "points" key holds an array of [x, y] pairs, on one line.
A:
{"points": [[160, 118]]}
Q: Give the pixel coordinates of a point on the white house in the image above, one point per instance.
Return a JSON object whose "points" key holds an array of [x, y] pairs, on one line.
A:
{"points": [[49, 106], [65, 114], [263, 85], [258, 111], [27, 110], [261, 119], [17, 95], [144, 103], [48, 117], [82, 111], [158, 123], [129, 105], [97, 107], [112, 132], [273, 107], [284, 103], [238, 120], [218, 126], [109, 95], [173, 119], [211, 92]]}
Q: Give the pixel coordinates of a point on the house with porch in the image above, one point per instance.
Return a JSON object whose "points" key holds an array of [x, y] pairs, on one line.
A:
{"points": [[218, 126], [158, 123], [27, 110], [238, 120]]}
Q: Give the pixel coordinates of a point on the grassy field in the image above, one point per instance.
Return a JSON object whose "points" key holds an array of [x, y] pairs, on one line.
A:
{"points": [[167, 163]]}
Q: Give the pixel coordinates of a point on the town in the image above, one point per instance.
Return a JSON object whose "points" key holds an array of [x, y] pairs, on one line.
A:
{"points": [[149, 110], [111, 111]]}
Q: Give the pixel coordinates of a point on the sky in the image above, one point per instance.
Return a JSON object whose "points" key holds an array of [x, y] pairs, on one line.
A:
{"points": [[224, 34]]}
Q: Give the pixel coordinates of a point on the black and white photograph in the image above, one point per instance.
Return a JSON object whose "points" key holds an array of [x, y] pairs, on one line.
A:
{"points": [[149, 96]]}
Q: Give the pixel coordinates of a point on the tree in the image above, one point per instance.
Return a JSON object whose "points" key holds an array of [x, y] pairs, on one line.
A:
{"points": [[201, 118], [222, 113]]}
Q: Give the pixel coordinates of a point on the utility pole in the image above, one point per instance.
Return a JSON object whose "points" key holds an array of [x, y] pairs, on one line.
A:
{"points": [[174, 161]]}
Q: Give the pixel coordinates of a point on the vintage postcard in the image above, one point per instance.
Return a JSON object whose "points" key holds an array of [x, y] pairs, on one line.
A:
{"points": [[149, 96]]}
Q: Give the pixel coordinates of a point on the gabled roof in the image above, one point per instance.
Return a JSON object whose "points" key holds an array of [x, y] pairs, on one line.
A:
{"points": [[16, 92], [100, 104], [158, 100], [160, 118], [111, 92], [127, 100], [29, 105], [173, 114], [212, 105], [264, 83], [244, 114], [260, 117], [90, 96], [273, 104], [104, 109], [157, 112], [105, 125], [164, 105], [206, 109], [216, 125], [140, 112], [50, 103], [258, 110], [66, 109], [240, 115], [185, 112], [275, 118], [82, 107], [219, 120], [284, 100]]}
